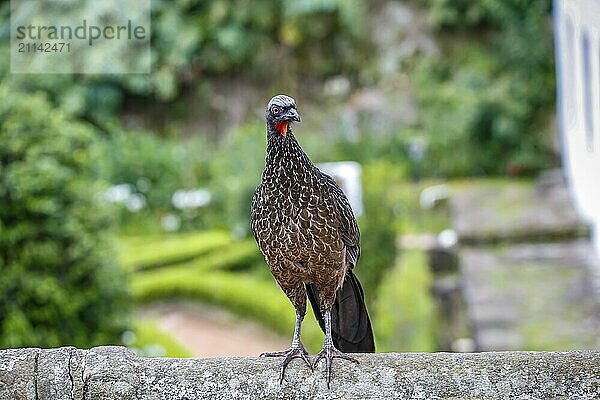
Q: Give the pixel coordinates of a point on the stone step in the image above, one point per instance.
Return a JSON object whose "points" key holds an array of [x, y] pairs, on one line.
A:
{"points": [[491, 211], [532, 296]]}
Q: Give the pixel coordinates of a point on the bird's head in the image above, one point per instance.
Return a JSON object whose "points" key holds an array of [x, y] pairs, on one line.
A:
{"points": [[281, 111]]}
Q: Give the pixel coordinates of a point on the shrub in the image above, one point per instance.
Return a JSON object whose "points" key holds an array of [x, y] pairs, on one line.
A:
{"points": [[235, 174], [195, 40], [59, 280], [199, 38], [148, 170], [146, 162], [486, 103], [140, 252], [239, 255], [405, 311], [377, 233]]}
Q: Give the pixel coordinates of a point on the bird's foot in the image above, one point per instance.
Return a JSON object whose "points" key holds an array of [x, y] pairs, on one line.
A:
{"points": [[296, 351], [329, 352]]}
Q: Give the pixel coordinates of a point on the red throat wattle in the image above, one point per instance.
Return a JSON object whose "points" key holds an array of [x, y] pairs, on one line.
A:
{"points": [[282, 127]]}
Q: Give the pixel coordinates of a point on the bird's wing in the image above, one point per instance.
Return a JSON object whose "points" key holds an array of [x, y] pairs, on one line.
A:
{"points": [[347, 225], [254, 210]]}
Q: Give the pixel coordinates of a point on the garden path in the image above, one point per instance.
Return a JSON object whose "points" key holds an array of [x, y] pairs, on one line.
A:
{"points": [[212, 332]]}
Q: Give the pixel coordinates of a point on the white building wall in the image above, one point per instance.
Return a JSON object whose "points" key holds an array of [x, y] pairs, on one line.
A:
{"points": [[577, 42]]}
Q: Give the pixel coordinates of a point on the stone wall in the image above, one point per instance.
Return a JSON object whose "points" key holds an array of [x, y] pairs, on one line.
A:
{"points": [[116, 373]]}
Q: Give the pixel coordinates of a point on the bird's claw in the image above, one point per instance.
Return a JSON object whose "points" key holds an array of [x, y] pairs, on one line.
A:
{"points": [[289, 354], [329, 353]]}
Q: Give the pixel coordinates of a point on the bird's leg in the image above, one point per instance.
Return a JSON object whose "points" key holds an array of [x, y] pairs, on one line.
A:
{"points": [[329, 352], [295, 351]]}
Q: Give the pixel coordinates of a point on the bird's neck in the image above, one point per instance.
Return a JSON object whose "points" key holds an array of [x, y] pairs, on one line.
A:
{"points": [[285, 150]]}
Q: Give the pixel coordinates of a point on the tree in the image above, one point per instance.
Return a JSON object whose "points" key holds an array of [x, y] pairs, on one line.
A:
{"points": [[59, 282]]}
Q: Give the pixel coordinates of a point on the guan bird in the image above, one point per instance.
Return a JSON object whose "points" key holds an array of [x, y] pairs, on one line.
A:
{"points": [[306, 230]]}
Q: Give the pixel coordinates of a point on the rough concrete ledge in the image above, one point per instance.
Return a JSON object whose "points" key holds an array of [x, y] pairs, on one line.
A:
{"points": [[117, 373]]}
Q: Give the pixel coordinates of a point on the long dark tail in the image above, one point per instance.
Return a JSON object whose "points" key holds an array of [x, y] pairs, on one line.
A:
{"points": [[350, 323]]}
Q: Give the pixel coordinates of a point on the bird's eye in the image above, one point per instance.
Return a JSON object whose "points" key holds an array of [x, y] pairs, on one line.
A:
{"points": [[276, 110]]}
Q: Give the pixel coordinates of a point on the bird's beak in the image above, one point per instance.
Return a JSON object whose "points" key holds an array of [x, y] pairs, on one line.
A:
{"points": [[292, 115]]}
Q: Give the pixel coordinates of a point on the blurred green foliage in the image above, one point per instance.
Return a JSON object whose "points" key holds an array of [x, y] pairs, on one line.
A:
{"points": [[405, 311], [147, 163], [149, 340], [377, 231], [59, 280], [147, 251], [235, 172], [194, 41], [487, 99], [153, 168], [237, 256]]}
